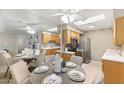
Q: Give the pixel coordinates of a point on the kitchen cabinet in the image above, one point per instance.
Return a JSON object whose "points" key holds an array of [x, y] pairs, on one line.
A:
{"points": [[67, 56], [46, 38], [68, 34], [118, 33], [113, 72], [51, 51]]}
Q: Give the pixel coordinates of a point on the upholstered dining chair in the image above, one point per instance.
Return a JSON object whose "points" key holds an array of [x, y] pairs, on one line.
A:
{"points": [[20, 73], [8, 60], [43, 58], [76, 59]]}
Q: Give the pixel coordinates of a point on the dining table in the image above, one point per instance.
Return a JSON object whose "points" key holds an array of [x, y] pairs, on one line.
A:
{"points": [[26, 58], [91, 77]]}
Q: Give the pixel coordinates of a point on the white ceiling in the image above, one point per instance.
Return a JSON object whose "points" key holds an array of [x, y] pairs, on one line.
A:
{"points": [[10, 19]]}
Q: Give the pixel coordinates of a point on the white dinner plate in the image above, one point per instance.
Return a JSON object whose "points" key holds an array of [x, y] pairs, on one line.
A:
{"points": [[71, 64], [41, 69], [76, 75], [52, 79]]}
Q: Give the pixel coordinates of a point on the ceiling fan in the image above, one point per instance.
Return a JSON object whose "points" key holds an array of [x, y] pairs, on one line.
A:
{"points": [[68, 15], [72, 16]]}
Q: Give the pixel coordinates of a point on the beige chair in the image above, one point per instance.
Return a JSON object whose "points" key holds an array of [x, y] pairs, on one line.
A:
{"points": [[49, 58], [20, 73], [8, 60], [6, 57], [43, 58], [76, 59]]}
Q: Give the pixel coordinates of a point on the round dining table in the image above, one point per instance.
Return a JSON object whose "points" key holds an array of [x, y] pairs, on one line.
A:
{"points": [[93, 72], [38, 78]]}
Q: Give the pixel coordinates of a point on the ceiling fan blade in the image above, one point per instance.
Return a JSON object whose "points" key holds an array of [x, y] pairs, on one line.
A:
{"points": [[57, 14], [76, 10], [91, 20], [22, 28], [78, 17]]}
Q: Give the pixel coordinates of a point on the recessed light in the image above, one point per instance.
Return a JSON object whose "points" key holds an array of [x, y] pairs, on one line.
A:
{"points": [[52, 29]]}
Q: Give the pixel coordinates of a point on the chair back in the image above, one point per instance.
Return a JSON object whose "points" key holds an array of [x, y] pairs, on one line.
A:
{"points": [[41, 57], [76, 59], [4, 57], [20, 73], [2, 60]]}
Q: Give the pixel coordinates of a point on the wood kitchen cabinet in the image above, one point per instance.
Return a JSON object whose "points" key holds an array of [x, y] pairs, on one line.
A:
{"points": [[51, 51], [66, 56], [68, 34], [50, 37], [113, 72], [118, 33]]}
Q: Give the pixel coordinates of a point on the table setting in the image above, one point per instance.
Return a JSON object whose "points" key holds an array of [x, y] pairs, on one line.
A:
{"points": [[58, 73]]}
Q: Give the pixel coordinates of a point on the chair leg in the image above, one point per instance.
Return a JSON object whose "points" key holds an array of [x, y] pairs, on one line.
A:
{"points": [[9, 78], [6, 72]]}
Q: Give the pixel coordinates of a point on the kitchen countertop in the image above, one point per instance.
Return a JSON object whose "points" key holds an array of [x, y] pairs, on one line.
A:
{"points": [[113, 55], [68, 52], [50, 47]]}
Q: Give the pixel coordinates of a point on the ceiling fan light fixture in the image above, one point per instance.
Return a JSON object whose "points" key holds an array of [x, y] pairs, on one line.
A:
{"points": [[67, 18]]}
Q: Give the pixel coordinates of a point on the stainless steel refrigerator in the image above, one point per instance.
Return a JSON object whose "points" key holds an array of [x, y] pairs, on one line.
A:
{"points": [[85, 45]]}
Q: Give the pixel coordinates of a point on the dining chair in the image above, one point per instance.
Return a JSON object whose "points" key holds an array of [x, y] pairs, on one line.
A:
{"points": [[49, 58], [8, 60], [20, 73], [76, 59], [43, 58]]}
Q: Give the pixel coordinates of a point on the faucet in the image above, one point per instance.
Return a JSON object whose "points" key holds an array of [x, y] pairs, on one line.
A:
{"points": [[120, 48]]}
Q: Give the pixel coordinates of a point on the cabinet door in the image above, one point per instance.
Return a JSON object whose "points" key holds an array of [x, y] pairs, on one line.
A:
{"points": [[68, 36], [66, 57], [118, 33], [73, 34], [46, 38], [51, 51], [56, 39], [78, 37], [113, 72]]}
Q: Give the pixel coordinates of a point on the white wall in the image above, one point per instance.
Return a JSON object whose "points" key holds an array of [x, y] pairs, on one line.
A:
{"points": [[100, 41], [118, 13], [12, 41]]}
